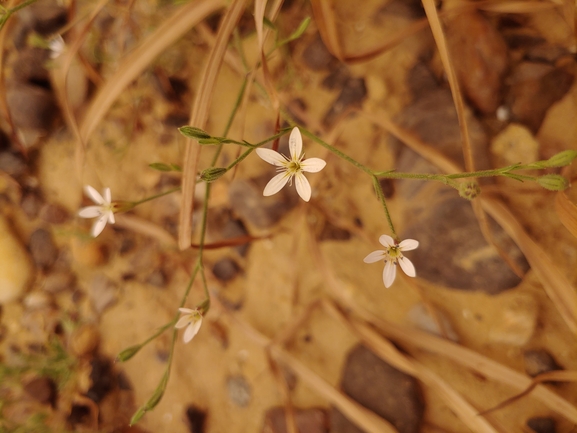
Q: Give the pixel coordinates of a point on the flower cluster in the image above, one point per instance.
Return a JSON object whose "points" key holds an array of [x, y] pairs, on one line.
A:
{"points": [[392, 256]]}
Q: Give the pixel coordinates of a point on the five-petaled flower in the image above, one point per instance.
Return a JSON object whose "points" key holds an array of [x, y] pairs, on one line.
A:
{"points": [[192, 319], [392, 256], [104, 211], [293, 167]]}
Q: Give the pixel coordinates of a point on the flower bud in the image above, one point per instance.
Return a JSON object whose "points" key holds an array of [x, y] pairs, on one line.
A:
{"points": [[128, 353], [562, 158], [469, 189], [192, 132], [212, 174], [553, 182]]}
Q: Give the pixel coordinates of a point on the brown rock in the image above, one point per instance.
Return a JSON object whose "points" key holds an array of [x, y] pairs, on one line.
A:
{"points": [[316, 56], [538, 362], [307, 421], [386, 391], [353, 93], [54, 214], [31, 107], [84, 340], [196, 418], [59, 281], [30, 66], [44, 251], [479, 55], [103, 293], [42, 390], [542, 425], [225, 269]]}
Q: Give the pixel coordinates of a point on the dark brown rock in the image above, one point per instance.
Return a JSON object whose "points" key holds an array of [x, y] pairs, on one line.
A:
{"points": [[12, 163], [542, 425], [225, 269], [31, 204], [42, 248], [352, 94], [31, 106], [382, 389], [479, 56], [42, 390], [316, 56], [54, 214], [307, 420], [538, 362], [29, 66], [45, 17], [196, 419], [103, 379]]}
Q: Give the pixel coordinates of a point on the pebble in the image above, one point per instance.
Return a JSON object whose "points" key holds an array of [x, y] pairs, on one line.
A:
{"points": [[247, 201], [84, 340], [314, 420], [31, 204], [59, 281], [41, 389], [353, 93], [384, 390], [15, 267], [42, 247], [54, 214], [12, 163], [539, 361], [482, 61], [516, 320], [103, 293], [225, 269], [31, 107], [542, 425], [239, 390], [316, 57], [102, 377], [196, 418], [89, 253], [420, 316]]}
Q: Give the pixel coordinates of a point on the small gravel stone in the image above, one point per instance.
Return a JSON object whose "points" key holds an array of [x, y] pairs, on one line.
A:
{"points": [[12, 163], [54, 214], [316, 56], [307, 420], [31, 107], [239, 390], [15, 267], [84, 340], [42, 248], [225, 269], [42, 390], [539, 361], [59, 281], [31, 204], [542, 425], [196, 418], [103, 293]]}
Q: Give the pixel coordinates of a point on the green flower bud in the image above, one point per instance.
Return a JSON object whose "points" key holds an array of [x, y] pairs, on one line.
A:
{"points": [[562, 158], [128, 353], [469, 189], [212, 174], [192, 132], [553, 182]]}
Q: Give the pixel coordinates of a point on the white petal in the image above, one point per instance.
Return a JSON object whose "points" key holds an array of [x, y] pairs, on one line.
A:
{"points": [[192, 330], [99, 225], [407, 266], [303, 186], [389, 273], [408, 245], [386, 241], [271, 157], [183, 321], [107, 195], [93, 194], [375, 256], [111, 219], [185, 310], [295, 144], [90, 212], [276, 184], [313, 165]]}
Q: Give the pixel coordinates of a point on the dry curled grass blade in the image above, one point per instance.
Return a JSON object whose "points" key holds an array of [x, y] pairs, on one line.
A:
{"points": [[323, 11], [199, 116], [556, 285]]}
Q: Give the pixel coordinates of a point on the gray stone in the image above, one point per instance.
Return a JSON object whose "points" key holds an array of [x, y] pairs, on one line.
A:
{"points": [[239, 390], [103, 293], [384, 390]]}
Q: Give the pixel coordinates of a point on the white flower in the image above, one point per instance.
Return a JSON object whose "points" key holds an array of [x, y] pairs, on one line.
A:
{"points": [[393, 255], [104, 211], [56, 46], [292, 167], [192, 319]]}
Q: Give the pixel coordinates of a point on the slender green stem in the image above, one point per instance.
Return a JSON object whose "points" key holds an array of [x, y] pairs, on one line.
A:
{"points": [[9, 12], [144, 200], [336, 151], [383, 201]]}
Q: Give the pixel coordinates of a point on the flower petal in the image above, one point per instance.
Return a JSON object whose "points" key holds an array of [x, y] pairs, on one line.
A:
{"points": [[185, 310], [408, 245], [295, 144], [389, 273], [192, 330], [387, 241], [271, 157], [107, 196], [375, 256], [111, 219], [276, 184], [313, 165], [407, 266], [93, 194], [303, 186], [99, 225], [183, 321], [90, 212]]}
